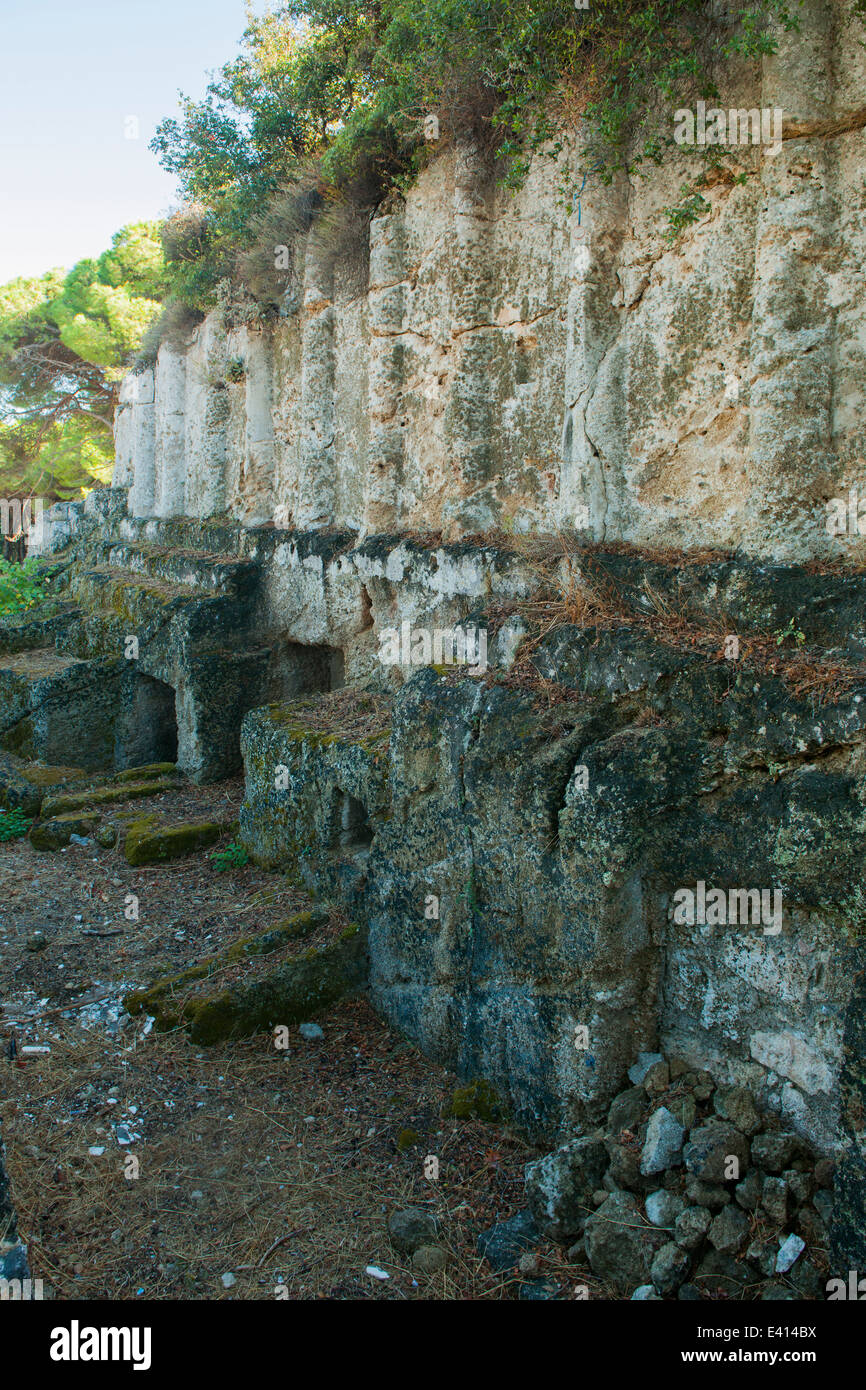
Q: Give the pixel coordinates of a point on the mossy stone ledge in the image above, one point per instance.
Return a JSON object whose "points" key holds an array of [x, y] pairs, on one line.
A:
{"points": [[57, 831], [295, 990], [146, 844]]}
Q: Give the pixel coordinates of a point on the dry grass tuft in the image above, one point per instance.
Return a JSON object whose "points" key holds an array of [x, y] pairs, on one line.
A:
{"points": [[574, 591], [348, 713]]}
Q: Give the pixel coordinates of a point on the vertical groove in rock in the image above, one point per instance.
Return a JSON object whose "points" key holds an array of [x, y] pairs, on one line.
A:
{"points": [[793, 323], [387, 306], [316, 463], [260, 447], [135, 433], [591, 473], [386, 301], [472, 426], [207, 410], [170, 461]]}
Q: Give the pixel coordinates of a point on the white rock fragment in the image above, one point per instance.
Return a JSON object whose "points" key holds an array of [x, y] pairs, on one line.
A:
{"points": [[789, 1252], [664, 1141], [645, 1060]]}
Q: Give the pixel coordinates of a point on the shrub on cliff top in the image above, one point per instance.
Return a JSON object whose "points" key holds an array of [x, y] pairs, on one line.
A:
{"points": [[331, 95]]}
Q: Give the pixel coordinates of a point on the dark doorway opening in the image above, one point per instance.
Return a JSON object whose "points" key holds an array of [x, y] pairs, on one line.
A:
{"points": [[352, 832], [148, 728], [300, 670]]}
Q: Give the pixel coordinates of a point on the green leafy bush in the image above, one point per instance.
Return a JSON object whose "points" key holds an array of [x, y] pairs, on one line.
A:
{"points": [[324, 108], [327, 100], [234, 856], [13, 825], [21, 587]]}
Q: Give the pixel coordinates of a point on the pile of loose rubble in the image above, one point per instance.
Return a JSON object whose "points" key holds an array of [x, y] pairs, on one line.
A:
{"points": [[688, 1192]]}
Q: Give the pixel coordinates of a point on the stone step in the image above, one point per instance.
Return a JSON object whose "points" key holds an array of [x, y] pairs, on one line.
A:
{"points": [[182, 533], [56, 706], [26, 784], [127, 595], [195, 569], [27, 677], [319, 822], [277, 978]]}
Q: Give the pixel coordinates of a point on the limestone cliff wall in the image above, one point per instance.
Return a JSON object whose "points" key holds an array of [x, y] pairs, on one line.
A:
{"points": [[505, 360]]}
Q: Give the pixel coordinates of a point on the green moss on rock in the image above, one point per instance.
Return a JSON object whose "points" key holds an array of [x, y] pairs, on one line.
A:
{"points": [[21, 784], [103, 796], [147, 772], [478, 1100], [42, 776], [144, 845], [293, 992], [56, 832], [294, 928]]}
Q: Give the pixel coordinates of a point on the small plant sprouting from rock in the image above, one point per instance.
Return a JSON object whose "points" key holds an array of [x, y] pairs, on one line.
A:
{"points": [[468, 894], [13, 825], [235, 370], [234, 856], [782, 634], [685, 213]]}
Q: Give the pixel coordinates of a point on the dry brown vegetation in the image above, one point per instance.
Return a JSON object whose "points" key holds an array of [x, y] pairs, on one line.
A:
{"points": [[573, 590], [348, 713]]}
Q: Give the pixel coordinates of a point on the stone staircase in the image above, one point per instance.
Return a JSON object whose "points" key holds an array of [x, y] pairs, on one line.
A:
{"points": [[190, 568], [147, 650]]}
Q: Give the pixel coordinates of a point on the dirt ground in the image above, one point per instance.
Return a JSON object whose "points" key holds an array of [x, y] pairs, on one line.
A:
{"points": [[146, 1167]]}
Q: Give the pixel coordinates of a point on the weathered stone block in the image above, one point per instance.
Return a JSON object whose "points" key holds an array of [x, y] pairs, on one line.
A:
{"points": [[146, 844]]}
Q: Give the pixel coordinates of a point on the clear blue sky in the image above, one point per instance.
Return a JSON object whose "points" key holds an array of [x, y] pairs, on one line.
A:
{"points": [[71, 72]]}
